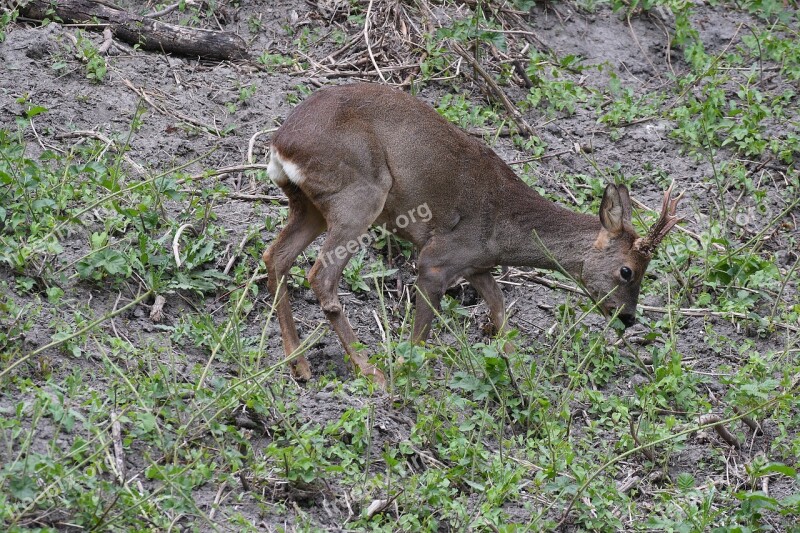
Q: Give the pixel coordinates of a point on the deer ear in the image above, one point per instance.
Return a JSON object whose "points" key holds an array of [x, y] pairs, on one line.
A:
{"points": [[625, 201], [612, 211]]}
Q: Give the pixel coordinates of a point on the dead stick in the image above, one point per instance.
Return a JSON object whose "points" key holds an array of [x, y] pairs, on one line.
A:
{"points": [[235, 254], [109, 142], [366, 42], [148, 33], [526, 80], [626, 486], [647, 452], [524, 127], [108, 40], [257, 197], [169, 9], [225, 170], [189, 120], [119, 453]]}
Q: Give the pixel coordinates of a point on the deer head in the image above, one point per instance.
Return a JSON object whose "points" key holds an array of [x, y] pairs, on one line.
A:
{"points": [[616, 263]]}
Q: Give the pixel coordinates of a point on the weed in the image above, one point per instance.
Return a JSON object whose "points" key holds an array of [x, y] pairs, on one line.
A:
{"points": [[254, 24], [94, 61], [273, 61], [458, 110], [110, 420], [7, 16]]}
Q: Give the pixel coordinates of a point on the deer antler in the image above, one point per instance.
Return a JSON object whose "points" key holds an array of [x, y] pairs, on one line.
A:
{"points": [[648, 244]]}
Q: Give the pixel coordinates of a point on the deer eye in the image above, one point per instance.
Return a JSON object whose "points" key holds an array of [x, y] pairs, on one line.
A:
{"points": [[626, 273]]}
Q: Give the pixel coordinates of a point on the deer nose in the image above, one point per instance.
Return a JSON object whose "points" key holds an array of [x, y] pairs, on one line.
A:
{"points": [[627, 320]]}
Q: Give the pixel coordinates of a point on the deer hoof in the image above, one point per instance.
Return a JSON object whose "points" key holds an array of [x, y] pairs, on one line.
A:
{"points": [[301, 370], [374, 373]]}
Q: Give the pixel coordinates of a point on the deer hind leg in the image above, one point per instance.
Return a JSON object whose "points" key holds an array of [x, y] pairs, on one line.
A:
{"points": [[348, 225], [304, 225]]}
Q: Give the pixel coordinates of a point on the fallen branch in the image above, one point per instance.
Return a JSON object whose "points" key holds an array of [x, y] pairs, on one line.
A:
{"points": [[366, 42], [224, 170], [180, 116], [169, 9], [145, 32], [110, 143], [628, 484], [535, 277], [239, 249], [108, 40], [257, 197]]}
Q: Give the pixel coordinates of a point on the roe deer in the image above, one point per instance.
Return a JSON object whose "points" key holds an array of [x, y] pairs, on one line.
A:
{"points": [[356, 155]]}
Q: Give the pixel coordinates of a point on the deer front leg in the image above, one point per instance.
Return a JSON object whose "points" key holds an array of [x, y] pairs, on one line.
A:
{"points": [[436, 274], [490, 291], [426, 304]]}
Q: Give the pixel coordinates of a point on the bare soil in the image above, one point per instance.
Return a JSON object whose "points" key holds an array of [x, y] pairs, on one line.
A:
{"points": [[636, 50]]}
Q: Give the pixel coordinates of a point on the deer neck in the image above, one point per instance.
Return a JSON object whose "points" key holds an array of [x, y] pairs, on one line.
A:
{"points": [[533, 231]]}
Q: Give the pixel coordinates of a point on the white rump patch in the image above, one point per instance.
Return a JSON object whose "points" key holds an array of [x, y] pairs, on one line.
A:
{"points": [[281, 170]]}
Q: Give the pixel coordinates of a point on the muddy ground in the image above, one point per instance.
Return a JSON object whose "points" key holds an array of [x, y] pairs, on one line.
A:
{"points": [[39, 64]]}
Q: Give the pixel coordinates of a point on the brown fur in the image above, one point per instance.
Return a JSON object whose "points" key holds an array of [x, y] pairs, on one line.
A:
{"points": [[369, 154]]}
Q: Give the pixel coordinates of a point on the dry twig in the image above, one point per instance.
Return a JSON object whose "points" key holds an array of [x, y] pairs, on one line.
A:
{"points": [[366, 42], [169, 9], [164, 111], [647, 452], [176, 243], [524, 128], [108, 40], [119, 452], [238, 251]]}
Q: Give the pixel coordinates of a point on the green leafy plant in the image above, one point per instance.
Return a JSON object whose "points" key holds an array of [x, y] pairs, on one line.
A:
{"points": [[112, 418], [94, 61], [7, 16]]}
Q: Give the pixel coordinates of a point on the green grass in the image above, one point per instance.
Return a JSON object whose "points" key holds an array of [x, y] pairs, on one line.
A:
{"points": [[576, 426]]}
